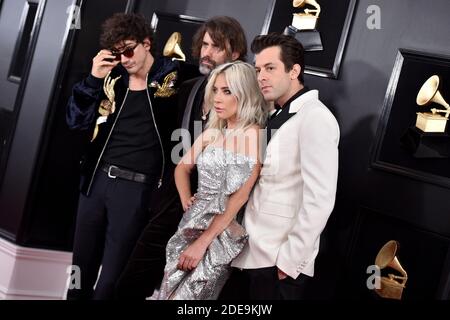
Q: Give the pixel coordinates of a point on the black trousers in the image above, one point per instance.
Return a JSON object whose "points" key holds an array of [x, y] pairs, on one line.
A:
{"points": [[263, 284], [145, 268], [108, 225]]}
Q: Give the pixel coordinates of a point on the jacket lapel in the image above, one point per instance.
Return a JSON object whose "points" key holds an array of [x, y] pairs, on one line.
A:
{"points": [[289, 111], [278, 121], [193, 105]]}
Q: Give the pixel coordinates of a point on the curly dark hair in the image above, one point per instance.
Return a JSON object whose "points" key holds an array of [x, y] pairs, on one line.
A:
{"points": [[125, 26], [292, 51], [226, 32]]}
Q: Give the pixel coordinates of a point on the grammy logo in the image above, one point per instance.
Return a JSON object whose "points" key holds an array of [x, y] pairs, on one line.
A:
{"points": [[304, 24], [173, 49], [306, 20], [429, 93], [391, 286]]}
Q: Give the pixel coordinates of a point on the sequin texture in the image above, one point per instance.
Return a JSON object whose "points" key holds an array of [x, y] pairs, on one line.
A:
{"points": [[220, 173]]}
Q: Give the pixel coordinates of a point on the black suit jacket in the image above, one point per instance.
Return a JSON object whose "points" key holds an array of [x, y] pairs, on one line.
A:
{"points": [[192, 108], [166, 202]]}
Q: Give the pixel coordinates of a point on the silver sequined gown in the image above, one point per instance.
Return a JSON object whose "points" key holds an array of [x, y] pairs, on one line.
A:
{"points": [[220, 173]]}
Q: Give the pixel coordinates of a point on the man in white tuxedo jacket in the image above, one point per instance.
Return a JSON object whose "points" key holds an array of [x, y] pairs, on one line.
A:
{"points": [[295, 194]]}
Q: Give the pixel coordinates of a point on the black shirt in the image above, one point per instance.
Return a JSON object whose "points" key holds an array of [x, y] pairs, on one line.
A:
{"points": [[134, 143]]}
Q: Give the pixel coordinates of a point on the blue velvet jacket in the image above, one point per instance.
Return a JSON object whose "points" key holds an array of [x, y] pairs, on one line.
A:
{"points": [[82, 112]]}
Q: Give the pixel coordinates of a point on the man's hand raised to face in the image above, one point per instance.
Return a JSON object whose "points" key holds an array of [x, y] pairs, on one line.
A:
{"points": [[103, 63]]}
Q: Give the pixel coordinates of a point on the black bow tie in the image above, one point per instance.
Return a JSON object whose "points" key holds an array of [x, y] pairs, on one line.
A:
{"points": [[277, 111]]}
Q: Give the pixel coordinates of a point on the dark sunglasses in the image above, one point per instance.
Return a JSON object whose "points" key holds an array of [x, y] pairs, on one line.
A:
{"points": [[127, 52]]}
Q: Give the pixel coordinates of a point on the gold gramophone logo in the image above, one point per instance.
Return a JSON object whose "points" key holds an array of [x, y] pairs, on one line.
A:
{"points": [[173, 47], [392, 285], [436, 120], [303, 26], [107, 106], [306, 20]]}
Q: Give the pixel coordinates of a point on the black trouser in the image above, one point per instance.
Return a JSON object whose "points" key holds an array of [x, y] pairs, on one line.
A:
{"points": [[263, 284], [145, 269], [109, 223]]}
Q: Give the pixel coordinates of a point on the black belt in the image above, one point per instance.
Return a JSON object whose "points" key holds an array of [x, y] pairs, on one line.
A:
{"points": [[116, 172]]}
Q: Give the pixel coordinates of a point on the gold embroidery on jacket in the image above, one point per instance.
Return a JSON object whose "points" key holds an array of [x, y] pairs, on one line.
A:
{"points": [[167, 88], [107, 106]]}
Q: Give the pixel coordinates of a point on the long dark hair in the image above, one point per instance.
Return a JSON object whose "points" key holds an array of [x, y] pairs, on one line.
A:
{"points": [[226, 32]]}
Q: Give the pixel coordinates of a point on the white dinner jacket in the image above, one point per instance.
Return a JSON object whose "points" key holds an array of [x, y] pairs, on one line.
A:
{"points": [[294, 196]]}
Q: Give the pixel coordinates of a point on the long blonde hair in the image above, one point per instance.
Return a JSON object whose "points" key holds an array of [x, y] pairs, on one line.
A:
{"points": [[243, 84]]}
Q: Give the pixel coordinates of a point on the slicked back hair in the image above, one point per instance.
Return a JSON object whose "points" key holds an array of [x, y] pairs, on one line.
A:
{"points": [[292, 51]]}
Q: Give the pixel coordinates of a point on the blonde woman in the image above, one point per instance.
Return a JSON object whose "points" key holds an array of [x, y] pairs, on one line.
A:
{"points": [[198, 256]]}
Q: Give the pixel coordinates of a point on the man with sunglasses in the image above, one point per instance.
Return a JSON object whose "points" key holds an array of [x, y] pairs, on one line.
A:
{"points": [[127, 106], [219, 40]]}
